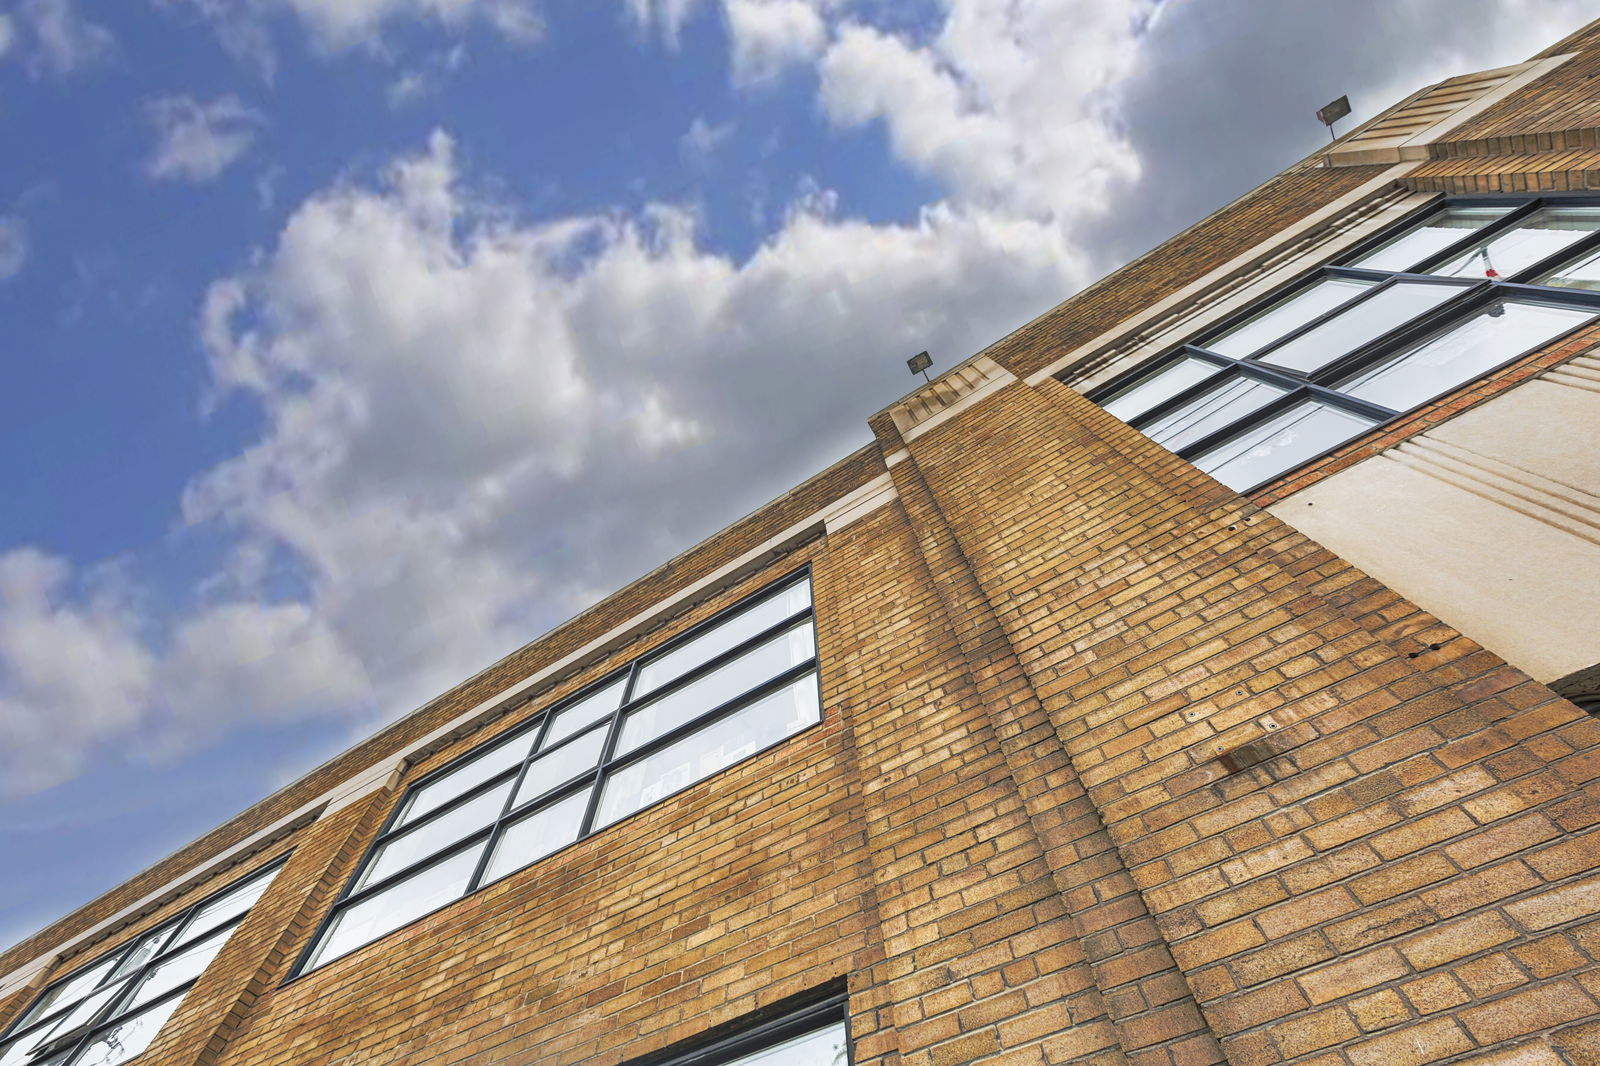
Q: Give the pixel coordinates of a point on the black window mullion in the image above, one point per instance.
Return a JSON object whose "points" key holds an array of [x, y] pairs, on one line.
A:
{"points": [[772, 587], [1470, 297], [1255, 308], [1587, 299], [744, 647], [96, 1030], [1332, 313], [714, 714], [1139, 374], [613, 733], [536, 749], [1574, 251], [394, 832], [1199, 388], [1223, 434], [1358, 273], [1504, 224], [449, 851]]}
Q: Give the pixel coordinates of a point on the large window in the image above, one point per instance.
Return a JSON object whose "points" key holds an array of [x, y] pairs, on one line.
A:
{"points": [[109, 1011], [1413, 314], [741, 682]]}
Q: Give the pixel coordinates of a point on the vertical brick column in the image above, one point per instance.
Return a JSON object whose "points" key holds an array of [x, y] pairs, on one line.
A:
{"points": [[1151, 1012], [263, 947], [979, 963], [1395, 863]]}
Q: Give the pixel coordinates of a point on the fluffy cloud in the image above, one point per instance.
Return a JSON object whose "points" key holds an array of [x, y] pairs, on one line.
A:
{"points": [[339, 25], [73, 670], [703, 138], [197, 141], [768, 36], [270, 662], [1007, 106], [60, 41], [13, 246], [474, 422], [665, 17]]}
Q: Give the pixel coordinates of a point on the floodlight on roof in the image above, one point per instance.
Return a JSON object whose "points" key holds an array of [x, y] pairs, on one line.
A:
{"points": [[920, 363]]}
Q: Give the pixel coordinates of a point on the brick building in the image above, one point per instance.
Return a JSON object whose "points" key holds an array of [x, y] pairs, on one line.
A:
{"points": [[1016, 737]]}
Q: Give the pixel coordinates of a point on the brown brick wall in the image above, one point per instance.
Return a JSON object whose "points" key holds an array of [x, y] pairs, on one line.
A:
{"points": [[1407, 819]]}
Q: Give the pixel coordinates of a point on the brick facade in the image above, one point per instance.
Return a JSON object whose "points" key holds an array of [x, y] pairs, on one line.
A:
{"points": [[1115, 767]]}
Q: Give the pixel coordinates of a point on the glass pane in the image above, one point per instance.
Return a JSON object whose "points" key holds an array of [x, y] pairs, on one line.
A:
{"points": [[587, 711], [1212, 410], [825, 1047], [1429, 237], [1503, 330], [475, 771], [18, 1051], [229, 905], [414, 845], [84, 1012], [399, 904], [68, 992], [705, 751], [710, 643], [564, 763], [536, 835], [1371, 318], [1281, 444], [127, 1038], [144, 950], [1159, 387], [1541, 234], [182, 967], [1583, 273], [1286, 316], [733, 678]]}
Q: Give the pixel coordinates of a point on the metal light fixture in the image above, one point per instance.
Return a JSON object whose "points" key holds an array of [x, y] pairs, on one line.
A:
{"points": [[920, 363]]}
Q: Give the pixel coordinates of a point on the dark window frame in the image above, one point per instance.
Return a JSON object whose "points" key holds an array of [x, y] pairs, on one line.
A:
{"points": [[593, 779], [111, 1013], [1316, 385], [791, 1017]]}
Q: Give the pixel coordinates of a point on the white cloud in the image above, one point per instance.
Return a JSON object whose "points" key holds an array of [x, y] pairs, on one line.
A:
{"points": [[1007, 106], [13, 246], [61, 40], [474, 422], [264, 662], [769, 36], [73, 671], [337, 25], [424, 79], [703, 138], [8, 34], [197, 141], [665, 17]]}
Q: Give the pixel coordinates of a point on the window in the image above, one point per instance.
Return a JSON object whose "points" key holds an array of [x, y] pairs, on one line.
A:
{"points": [[812, 1033], [741, 682], [1416, 313], [109, 1011]]}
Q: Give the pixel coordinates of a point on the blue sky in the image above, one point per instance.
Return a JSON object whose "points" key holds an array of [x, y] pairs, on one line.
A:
{"points": [[352, 343]]}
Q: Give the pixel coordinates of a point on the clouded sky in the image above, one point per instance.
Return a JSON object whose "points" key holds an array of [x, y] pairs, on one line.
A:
{"points": [[350, 344]]}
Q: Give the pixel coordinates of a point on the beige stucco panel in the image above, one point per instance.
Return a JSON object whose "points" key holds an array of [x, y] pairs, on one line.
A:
{"points": [[1544, 427], [1488, 521]]}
